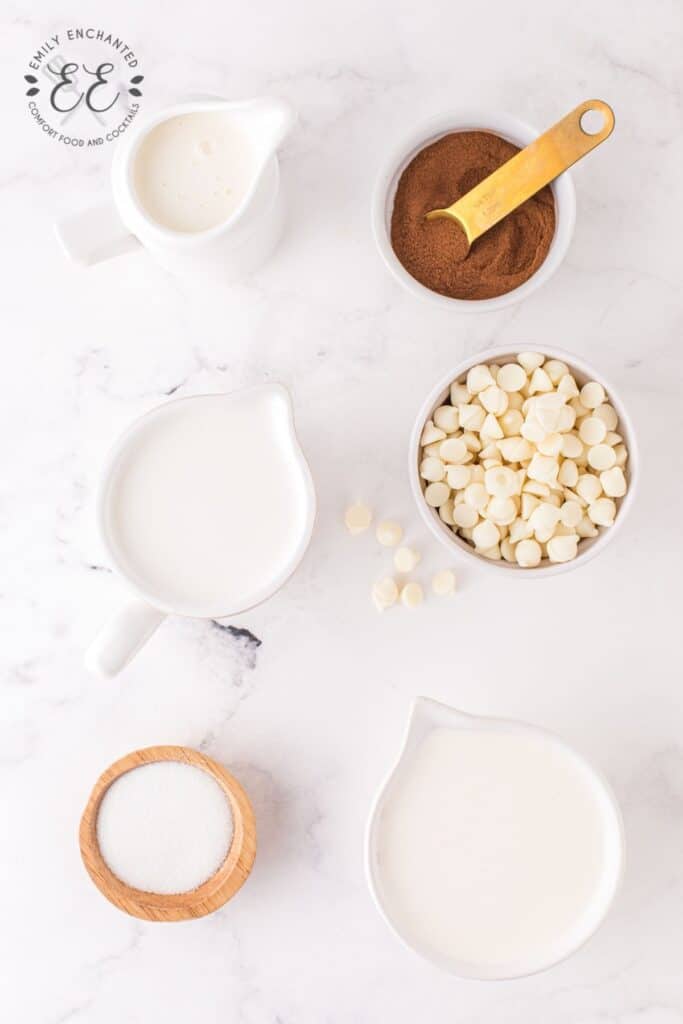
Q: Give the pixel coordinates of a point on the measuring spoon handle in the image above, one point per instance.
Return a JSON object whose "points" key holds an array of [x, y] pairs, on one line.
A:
{"points": [[531, 169]]}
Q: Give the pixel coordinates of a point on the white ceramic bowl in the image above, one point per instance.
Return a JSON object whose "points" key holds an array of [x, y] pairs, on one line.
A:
{"points": [[588, 547], [430, 714], [515, 131]]}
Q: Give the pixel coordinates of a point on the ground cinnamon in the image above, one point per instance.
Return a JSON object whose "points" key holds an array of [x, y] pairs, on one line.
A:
{"points": [[435, 252]]}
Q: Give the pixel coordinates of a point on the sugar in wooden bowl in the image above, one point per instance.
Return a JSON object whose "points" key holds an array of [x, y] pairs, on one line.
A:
{"points": [[168, 834]]}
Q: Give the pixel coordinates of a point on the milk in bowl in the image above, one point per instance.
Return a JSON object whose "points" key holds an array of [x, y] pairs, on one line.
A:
{"points": [[495, 849]]}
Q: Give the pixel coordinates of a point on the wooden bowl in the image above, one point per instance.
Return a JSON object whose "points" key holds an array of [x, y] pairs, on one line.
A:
{"points": [[210, 895]]}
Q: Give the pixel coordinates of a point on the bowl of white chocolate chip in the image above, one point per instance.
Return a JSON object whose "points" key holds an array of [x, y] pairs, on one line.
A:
{"points": [[524, 460]]}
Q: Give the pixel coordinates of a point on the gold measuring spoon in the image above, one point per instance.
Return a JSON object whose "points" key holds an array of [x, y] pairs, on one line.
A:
{"points": [[528, 171]]}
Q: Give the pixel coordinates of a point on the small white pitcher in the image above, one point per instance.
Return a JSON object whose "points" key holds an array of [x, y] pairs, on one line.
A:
{"points": [[238, 245]]}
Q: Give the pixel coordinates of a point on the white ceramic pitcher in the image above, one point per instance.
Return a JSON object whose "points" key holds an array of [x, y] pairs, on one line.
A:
{"points": [[152, 596], [428, 715], [238, 245]]}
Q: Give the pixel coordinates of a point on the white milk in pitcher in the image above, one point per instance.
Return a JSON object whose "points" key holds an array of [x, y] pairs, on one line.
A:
{"points": [[208, 503], [192, 171], [496, 849]]}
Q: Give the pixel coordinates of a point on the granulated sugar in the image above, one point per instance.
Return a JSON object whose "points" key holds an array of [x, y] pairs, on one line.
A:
{"points": [[164, 827]]}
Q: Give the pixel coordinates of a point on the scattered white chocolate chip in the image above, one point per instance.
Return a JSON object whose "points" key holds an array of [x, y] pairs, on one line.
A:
{"points": [[405, 559], [443, 582], [389, 533], [411, 595], [384, 594], [357, 517]]}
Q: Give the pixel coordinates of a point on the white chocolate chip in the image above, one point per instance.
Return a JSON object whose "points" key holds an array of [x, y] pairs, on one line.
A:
{"points": [[446, 512], [571, 514], [411, 595], [476, 495], [589, 487], [507, 549], [501, 482], [459, 394], [443, 582], [543, 468], [539, 381], [602, 511], [485, 534], [465, 516], [568, 474], [432, 469], [528, 553], [601, 457], [430, 434], [511, 377], [556, 370], [458, 477], [446, 418], [453, 450], [437, 493], [592, 394], [562, 548], [586, 528], [491, 427], [613, 482], [494, 400], [530, 360], [567, 386], [592, 430], [357, 518], [384, 594], [389, 533], [572, 448], [501, 511], [471, 416], [405, 559], [515, 449], [511, 421], [478, 378], [550, 445]]}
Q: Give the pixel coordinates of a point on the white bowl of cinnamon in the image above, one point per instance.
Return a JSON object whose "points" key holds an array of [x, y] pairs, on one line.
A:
{"points": [[433, 166]]}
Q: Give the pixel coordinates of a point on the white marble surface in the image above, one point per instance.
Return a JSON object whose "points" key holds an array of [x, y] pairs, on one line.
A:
{"points": [[311, 717]]}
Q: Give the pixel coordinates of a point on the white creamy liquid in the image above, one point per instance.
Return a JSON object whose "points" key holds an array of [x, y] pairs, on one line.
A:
{"points": [[208, 505], [164, 827], [496, 849], [192, 171]]}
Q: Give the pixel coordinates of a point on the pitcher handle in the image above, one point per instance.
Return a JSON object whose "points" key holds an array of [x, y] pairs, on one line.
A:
{"points": [[120, 639], [94, 235]]}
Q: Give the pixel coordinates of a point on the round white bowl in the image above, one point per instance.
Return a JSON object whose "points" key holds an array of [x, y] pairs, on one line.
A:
{"points": [[588, 547], [426, 715], [515, 131]]}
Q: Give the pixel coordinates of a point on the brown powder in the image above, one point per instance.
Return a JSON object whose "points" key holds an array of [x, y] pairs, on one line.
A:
{"points": [[435, 252]]}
